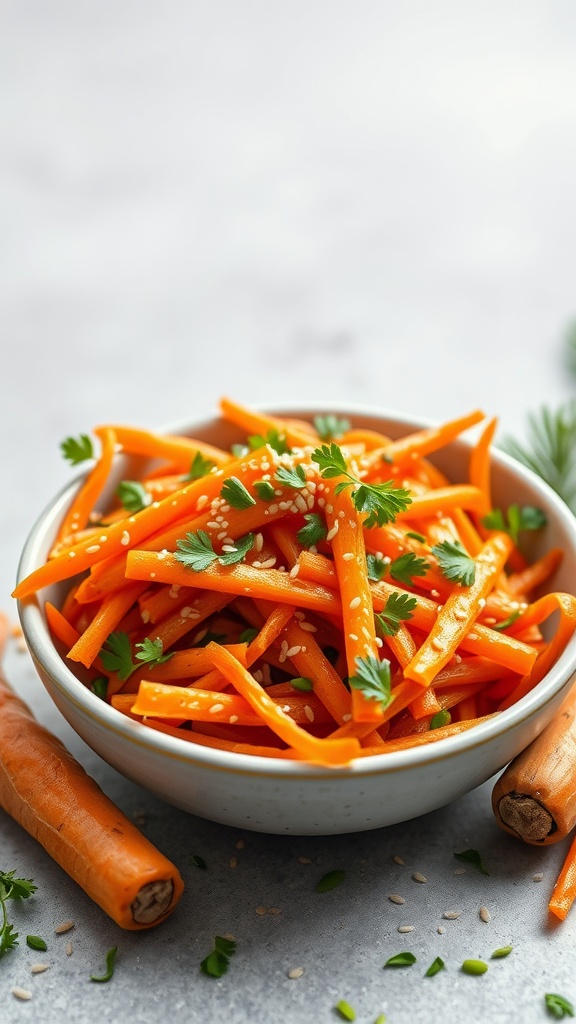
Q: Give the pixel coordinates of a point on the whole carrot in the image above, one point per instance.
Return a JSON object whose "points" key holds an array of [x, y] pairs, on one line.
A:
{"points": [[47, 792], [535, 797]]}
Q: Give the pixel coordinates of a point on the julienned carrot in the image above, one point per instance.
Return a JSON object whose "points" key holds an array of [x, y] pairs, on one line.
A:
{"points": [[78, 826], [424, 442], [160, 700], [535, 797], [112, 610], [179, 451], [480, 463], [525, 581], [259, 423], [325, 752], [536, 613], [422, 739], [77, 516]]}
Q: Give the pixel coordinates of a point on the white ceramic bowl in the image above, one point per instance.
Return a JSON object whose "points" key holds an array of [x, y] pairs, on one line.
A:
{"points": [[273, 795]]}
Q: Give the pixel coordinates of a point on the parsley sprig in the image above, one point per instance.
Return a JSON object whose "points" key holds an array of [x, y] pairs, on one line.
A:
{"points": [[273, 438], [330, 426], [234, 492], [195, 551], [133, 496], [381, 502], [455, 563], [372, 678], [11, 888], [398, 608], [77, 449], [314, 531], [217, 962], [116, 654], [200, 467]]}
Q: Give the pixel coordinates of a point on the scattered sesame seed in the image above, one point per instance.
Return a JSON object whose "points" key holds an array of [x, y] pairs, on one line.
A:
{"points": [[308, 627], [438, 643], [71, 554], [92, 549], [332, 533], [234, 862], [21, 993], [440, 930], [308, 712], [348, 556], [293, 651], [451, 915], [39, 968], [269, 563], [434, 594], [394, 898], [403, 928], [66, 926], [459, 871], [125, 538], [378, 641], [258, 542], [295, 973], [152, 575], [352, 636], [295, 569], [145, 615], [233, 719], [484, 915], [538, 877], [355, 602], [472, 636], [261, 911], [304, 860], [274, 910], [216, 708], [417, 877], [347, 718]]}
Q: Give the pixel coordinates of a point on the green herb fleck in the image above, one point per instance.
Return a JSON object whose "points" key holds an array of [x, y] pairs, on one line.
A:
{"points": [[35, 942], [440, 719], [133, 496], [406, 566], [436, 966], [235, 494], [116, 654], [273, 438], [507, 622], [455, 563], [239, 450], [558, 1006], [195, 551], [264, 489], [248, 635], [372, 679], [416, 536], [200, 467], [517, 518], [330, 427], [401, 960], [77, 449], [474, 967], [330, 881], [217, 962], [472, 857], [295, 477], [99, 686], [376, 567], [345, 1010], [199, 862], [242, 546], [381, 502], [501, 952], [110, 958], [302, 683], [314, 531], [398, 608]]}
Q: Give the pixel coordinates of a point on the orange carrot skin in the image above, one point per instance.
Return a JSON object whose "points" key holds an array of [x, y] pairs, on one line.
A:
{"points": [[564, 892], [75, 822]]}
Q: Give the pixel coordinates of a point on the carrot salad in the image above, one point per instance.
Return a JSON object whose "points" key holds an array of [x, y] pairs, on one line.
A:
{"points": [[320, 592]]}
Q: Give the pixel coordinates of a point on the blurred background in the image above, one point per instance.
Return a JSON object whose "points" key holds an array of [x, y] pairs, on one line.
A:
{"points": [[345, 200]]}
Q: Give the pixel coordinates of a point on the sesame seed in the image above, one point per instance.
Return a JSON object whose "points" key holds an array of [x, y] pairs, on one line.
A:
{"points": [[293, 651], [234, 862], [269, 563], [39, 968], [66, 926], [347, 718], [438, 643], [472, 636], [202, 501], [295, 973], [434, 594], [308, 712], [304, 860], [69, 949], [440, 930], [21, 993], [332, 533], [378, 641], [484, 915], [451, 915], [71, 554], [233, 719], [258, 542], [145, 615], [92, 549], [308, 627], [125, 538], [216, 708], [348, 556], [273, 509], [538, 877], [355, 602], [459, 871], [295, 569], [152, 575], [417, 877], [274, 910], [394, 898], [404, 928], [261, 911], [352, 636]]}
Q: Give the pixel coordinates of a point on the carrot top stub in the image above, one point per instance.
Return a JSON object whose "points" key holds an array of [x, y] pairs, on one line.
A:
{"points": [[313, 591]]}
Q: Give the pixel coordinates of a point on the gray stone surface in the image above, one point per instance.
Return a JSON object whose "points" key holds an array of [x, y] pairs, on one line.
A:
{"points": [[369, 202]]}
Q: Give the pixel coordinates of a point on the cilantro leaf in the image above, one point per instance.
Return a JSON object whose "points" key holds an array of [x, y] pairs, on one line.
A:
{"points": [[11, 888], [196, 551], [217, 962], [116, 654], [376, 567], [398, 608], [200, 467], [455, 563], [403, 568], [243, 545], [472, 857], [517, 518], [401, 960], [234, 492], [133, 496], [295, 477], [314, 531], [8, 938], [558, 1006], [77, 449], [382, 502], [273, 438], [329, 426], [372, 679], [330, 460], [151, 652], [264, 489]]}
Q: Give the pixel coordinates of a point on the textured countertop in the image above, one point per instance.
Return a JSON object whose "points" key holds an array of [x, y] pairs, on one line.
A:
{"points": [[333, 201]]}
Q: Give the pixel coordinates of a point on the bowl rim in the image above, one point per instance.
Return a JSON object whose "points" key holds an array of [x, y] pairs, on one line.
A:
{"points": [[70, 688]]}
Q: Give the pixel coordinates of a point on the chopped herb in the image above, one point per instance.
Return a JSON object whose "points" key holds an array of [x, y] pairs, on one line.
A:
{"points": [[133, 496], [273, 438], [472, 857], [501, 952], [195, 551], [217, 962], [116, 654], [330, 881], [248, 635], [474, 967], [401, 960], [243, 545], [517, 518], [77, 449], [372, 679], [295, 477], [199, 862], [35, 942], [550, 449], [345, 1010], [302, 683], [439, 719], [200, 467], [99, 686], [239, 450], [329, 427], [436, 966], [416, 536], [398, 608], [234, 492], [403, 568], [110, 958], [381, 502], [209, 638], [455, 563], [376, 567], [558, 1006], [314, 531], [380, 1019], [507, 622], [264, 489]]}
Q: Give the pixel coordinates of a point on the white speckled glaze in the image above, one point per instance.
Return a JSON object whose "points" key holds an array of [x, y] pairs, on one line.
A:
{"points": [[270, 795]]}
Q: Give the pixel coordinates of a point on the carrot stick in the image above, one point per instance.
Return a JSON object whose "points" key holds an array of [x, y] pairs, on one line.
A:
{"points": [[564, 892], [535, 797], [422, 739], [160, 700], [525, 581], [424, 442], [83, 504], [204, 740], [480, 463], [78, 826], [258, 423], [179, 451], [443, 499], [536, 613], [277, 620], [324, 752], [88, 646]]}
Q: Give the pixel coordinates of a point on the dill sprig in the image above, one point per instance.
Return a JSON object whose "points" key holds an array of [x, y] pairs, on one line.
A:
{"points": [[550, 450]]}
